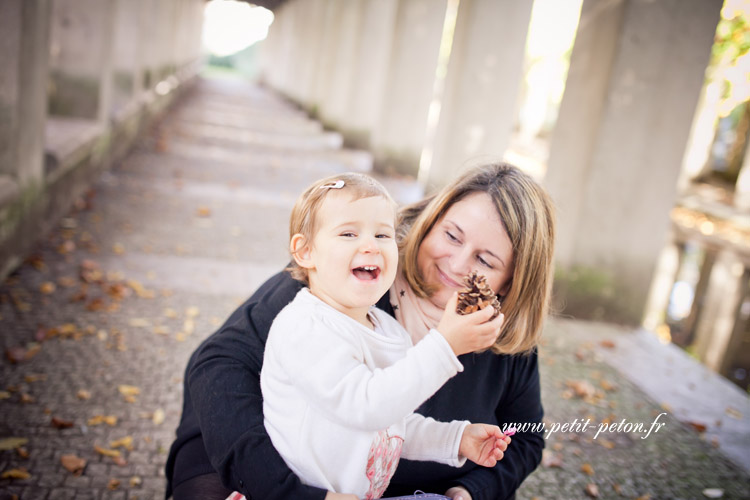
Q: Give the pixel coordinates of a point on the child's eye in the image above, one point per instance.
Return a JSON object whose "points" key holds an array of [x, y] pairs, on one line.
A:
{"points": [[348, 234], [383, 236]]}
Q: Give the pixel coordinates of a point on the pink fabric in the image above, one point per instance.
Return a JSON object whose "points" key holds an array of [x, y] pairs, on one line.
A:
{"points": [[416, 315]]}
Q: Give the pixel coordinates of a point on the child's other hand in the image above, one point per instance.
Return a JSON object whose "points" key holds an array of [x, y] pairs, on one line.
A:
{"points": [[483, 444], [471, 332]]}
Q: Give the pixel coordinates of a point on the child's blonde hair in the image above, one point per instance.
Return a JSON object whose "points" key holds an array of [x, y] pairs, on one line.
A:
{"points": [[304, 218]]}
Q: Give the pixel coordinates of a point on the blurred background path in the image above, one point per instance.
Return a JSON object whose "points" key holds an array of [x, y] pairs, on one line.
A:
{"points": [[99, 321]]}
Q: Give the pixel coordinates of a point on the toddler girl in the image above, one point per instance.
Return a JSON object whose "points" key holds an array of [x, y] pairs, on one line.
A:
{"points": [[341, 378]]}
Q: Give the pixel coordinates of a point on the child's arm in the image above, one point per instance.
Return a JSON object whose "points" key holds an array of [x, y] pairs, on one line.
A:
{"points": [[326, 363], [452, 443]]}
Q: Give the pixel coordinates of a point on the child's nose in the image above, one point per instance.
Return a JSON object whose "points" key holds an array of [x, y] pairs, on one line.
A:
{"points": [[369, 245]]}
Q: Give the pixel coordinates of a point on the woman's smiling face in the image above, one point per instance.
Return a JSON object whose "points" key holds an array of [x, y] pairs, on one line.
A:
{"points": [[469, 237]]}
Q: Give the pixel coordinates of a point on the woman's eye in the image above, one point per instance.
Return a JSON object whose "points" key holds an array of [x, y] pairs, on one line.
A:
{"points": [[484, 262], [451, 237]]}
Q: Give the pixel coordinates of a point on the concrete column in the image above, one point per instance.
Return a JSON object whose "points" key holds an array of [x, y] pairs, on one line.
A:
{"points": [[399, 137], [665, 274], [742, 188], [24, 53], [478, 107], [725, 293], [326, 60], [309, 37], [370, 71], [335, 105], [81, 58], [636, 72], [127, 77]]}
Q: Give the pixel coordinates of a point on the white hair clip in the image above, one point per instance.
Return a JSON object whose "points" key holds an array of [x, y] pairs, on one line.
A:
{"points": [[334, 185]]}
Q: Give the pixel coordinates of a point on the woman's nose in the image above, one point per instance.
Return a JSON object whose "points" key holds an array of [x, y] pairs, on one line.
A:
{"points": [[460, 263]]}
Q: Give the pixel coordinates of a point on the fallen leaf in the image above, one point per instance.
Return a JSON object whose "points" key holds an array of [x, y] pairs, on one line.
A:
{"points": [[47, 288], [31, 378], [697, 426], [617, 488], [106, 452], [666, 407], [4, 395], [113, 484], [16, 474], [647, 496], [713, 493], [606, 443], [139, 322], [67, 282], [608, 344], [607, 385], [118, 248], [26, 398], [110, 420], [734, 413], [587, 469], [128, 390], [581, 388], [59, 423], [22, 452], [158, 417], [11, 443], [170, 313], [83, 394], [126, 442], [551, 460], [135, 481], [592, 490], [73, 464], [161, 330], [203, 211], [120, 461], [140, 290], [557, 446]]}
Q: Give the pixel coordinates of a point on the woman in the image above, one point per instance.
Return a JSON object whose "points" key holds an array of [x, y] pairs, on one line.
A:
{"points": [[493, 219]]}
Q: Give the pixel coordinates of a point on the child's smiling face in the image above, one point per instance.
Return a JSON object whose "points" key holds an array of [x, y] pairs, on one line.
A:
{"points": [[353, 257]]}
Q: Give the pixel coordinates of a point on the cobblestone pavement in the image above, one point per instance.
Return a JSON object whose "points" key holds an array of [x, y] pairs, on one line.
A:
{"points": [[98, 324]]}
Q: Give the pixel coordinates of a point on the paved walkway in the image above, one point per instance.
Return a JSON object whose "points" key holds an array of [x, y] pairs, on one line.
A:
{"points": [[98, 324]]}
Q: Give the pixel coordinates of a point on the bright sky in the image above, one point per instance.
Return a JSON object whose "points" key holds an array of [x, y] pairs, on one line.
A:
{"points": [[230, 26]]}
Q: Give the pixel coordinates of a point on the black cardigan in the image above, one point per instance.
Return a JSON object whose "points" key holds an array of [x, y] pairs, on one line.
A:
{"points": [[223, 410]]}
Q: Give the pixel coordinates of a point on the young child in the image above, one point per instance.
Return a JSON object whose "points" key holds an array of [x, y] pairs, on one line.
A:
{"points": [[341, 378]]}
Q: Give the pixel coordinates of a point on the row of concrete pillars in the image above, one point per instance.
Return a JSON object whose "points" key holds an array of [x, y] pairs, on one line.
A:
{"points": [[368, 68], [80, 78]]}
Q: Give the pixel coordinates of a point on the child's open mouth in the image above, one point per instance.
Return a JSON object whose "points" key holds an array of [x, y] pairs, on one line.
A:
{"points": [[366, 273]]}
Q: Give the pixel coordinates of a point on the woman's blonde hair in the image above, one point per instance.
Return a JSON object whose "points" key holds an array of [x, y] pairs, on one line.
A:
{"points": [[527, 214], [304, 218]]}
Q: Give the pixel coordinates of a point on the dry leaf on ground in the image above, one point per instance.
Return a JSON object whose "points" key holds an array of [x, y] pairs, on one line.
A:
{"points": [[59, 423], [73, 463], [550, 459], [158, 417], [15, 474], [592, 490], [128, 390], [10, 443], [106, 452], [113, 484], [126, 442], [587, 469]]}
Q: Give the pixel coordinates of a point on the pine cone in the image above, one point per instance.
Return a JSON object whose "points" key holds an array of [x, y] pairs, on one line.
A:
{"points": [[477, 295]]}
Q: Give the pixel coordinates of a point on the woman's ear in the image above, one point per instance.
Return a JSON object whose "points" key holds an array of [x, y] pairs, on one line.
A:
{"points": [[301, 251]]}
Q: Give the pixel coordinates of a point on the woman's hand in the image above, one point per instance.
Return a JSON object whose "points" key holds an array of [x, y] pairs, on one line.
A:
{"points": [[471, 332], [483, 444], [340, 496], [458, 493]]}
